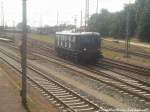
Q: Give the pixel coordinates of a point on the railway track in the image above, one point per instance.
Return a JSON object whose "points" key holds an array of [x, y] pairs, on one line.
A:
{"points": [[127, 84], [142, 92], [119, 64], [126, 66], [124, 75], [134, 88], [141, 54], [65, 98], [138, 82]]}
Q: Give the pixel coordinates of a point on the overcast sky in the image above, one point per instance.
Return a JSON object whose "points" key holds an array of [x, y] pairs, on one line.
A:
{"points": [[44, 12]]}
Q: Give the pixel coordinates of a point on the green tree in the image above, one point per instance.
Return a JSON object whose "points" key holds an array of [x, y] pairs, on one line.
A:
{"points": [[100, 23], [115, 24], [143, 20]]}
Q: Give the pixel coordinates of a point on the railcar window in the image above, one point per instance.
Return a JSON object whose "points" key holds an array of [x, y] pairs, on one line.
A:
{"points": [[65, 41], [64, 37], [70, 41], [58, 40], [73, 39], [85, 40], [89, 40], [61, 39]]}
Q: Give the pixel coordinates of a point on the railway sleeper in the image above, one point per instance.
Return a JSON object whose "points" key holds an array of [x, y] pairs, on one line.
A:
{"points": [[56, 90], [85, 109], [148, 94], [69, 98], [50, 86], [43, 83], [51, 99], [72, 101], [137, 90], [145, 87], [80, 106], [64, 96], [142, 92], [77, 103], [40, 79], [60, 94]]}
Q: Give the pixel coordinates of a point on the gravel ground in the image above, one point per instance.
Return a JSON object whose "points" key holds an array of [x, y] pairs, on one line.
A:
{"points": [[10, 100]]}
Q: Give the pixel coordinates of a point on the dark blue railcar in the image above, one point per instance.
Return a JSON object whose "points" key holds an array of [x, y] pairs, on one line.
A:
{"points": [[82, 47]]}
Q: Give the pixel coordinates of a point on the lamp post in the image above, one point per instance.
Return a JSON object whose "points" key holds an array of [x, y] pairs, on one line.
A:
{"points": [[24, 54]]}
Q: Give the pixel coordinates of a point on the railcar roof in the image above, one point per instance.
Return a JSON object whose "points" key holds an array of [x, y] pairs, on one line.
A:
{"points": [[78, 33]]}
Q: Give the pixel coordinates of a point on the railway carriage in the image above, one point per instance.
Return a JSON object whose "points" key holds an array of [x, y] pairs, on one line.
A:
{"points": [[81, 47]]}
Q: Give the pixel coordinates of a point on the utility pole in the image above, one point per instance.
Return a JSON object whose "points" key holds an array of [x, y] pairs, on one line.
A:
{"points": [[13, 24], [81, 19], [2, 16], [86, 13], [97, 7], [75, 22], [24, 54], [57, 18], [127, 31], [41, 21], [2, 12]]}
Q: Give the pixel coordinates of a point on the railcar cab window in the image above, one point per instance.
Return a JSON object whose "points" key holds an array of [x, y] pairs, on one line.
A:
{"points": [[89, 40]]}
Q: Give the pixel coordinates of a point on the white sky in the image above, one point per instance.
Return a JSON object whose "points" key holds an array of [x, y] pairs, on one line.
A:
{"points": [[44, 12]]}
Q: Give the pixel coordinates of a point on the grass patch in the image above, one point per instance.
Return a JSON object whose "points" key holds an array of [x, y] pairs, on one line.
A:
{"points": [[111, 54], [43, 38], [133, 39]]}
